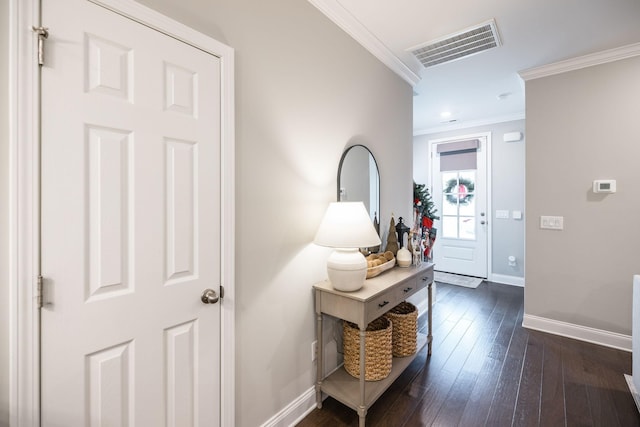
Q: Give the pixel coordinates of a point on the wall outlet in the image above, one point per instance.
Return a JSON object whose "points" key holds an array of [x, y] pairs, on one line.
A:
{"points": [[314, 350]]}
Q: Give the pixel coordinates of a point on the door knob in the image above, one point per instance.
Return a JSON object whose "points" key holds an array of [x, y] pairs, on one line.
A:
{"points": [[209, 296]]}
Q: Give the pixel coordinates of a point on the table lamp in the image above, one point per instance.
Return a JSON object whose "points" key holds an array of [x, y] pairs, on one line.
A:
{"points": [[346, 227]]}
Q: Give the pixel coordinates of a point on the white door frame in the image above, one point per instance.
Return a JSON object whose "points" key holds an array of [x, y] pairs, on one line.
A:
{"points": [[475, 135], [24, 202]]}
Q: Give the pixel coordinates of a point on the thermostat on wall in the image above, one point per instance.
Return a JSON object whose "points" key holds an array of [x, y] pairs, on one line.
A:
{"points": [[604, 186]]}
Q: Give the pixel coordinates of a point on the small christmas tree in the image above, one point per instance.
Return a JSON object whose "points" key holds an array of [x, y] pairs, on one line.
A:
{"points": [[392, 238], [423, 203]]}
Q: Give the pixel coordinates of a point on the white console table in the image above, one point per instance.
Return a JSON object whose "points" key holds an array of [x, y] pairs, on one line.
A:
{"points": [[375, 298]]}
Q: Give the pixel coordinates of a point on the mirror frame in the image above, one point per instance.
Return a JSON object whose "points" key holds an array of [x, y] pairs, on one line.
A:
{"points": [[344, 155]]}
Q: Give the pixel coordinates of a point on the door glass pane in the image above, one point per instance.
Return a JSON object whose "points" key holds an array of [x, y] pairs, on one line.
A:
{"points": [[468, 209], [450, 227], [468, 176], [449, 208], [447, 176], [467, 228]]}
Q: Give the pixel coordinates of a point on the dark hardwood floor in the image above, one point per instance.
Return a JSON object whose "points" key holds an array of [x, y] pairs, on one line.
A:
{"points": [[487, 370]]}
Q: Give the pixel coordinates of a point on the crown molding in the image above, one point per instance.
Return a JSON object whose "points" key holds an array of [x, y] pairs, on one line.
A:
{"points": [[580, 62], [470, 124], [340, 16]]}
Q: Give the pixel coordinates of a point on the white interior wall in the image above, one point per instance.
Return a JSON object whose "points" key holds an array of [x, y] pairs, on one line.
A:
{"points": [[583, 125], [304, 92]]}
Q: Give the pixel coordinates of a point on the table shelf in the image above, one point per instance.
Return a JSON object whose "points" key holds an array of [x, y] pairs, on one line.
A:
{"points": [[346, 389]]}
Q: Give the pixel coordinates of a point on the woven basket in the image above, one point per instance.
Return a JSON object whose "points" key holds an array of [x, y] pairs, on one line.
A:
{"points": [[377, 349], [404, 317]]}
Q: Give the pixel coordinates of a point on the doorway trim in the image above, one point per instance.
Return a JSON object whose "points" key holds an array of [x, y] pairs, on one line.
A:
{"points": [[487, 136], [24, 202]]}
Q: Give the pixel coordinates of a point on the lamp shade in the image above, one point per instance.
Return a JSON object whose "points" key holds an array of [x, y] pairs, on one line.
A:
{"points": [[347, 225]]}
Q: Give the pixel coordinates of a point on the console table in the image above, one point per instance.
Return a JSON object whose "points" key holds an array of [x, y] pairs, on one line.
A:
{"points": [[377, 296]]}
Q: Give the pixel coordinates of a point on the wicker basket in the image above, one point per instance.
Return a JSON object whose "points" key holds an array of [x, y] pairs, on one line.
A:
{"points": [[404, 317], [377, 349]]}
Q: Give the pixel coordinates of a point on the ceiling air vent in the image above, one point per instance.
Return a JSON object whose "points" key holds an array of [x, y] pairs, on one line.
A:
{"points": [[460, 45]]}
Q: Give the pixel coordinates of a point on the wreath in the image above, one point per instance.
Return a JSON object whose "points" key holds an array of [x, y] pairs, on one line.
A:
{"points": [[464, 191]]}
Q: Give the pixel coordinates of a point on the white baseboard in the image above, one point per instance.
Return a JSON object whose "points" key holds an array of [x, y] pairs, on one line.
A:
{"points": [[582, 333], [507, 280], [632, 389], [295, 411]]}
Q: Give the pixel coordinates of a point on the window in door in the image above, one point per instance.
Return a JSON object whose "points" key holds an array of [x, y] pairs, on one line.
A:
{"points": [[458, 204]]}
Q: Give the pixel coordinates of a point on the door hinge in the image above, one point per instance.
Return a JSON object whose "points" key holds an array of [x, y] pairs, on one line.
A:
{"points": [[42, 33], [221, 291], [39, 291]]}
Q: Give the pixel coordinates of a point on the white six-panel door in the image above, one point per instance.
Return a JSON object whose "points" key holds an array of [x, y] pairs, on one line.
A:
{"points": [[130, 224]]}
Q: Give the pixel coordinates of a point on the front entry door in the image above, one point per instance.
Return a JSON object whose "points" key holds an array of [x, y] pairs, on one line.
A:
{"points": [[459, 182], [130, 224]]}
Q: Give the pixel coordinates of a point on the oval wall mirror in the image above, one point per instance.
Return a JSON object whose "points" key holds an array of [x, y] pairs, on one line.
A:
{"points": [[359, 179]]}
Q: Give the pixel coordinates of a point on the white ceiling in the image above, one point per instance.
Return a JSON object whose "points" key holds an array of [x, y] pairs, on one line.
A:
{"points": [[533, 33]]}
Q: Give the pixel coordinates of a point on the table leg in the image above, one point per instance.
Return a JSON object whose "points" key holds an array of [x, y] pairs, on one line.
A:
{"points": [[319, 361], [430, 317], [362, 410]]}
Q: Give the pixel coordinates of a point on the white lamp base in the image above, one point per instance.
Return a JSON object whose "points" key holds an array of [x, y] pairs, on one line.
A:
{"points": [[347, 269]]}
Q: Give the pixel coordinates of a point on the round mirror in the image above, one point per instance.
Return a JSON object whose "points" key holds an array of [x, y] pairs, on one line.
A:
{"points": [[359, 179]]}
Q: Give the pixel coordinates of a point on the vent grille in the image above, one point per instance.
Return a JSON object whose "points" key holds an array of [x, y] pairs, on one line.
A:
{"points": [[460, 45]]}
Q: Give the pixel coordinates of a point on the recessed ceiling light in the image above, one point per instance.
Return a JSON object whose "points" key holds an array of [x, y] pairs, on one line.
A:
{"points": [[445, 114]]}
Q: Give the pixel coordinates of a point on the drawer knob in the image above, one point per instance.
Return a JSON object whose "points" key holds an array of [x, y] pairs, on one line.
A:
{"points": [[383, 304], [407, 290]]}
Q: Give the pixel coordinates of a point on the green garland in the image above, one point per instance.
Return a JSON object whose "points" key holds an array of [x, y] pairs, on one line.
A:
{"points": [[423, 203], [457, 197]]}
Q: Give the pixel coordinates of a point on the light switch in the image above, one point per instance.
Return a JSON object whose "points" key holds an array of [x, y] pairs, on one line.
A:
{"points": [[502, 214], [552, 222], [516, 214]]}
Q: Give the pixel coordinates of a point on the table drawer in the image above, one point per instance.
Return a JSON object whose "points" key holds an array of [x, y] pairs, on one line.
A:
{"points": [[424, 279], [407, 289], [380, 305]]}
